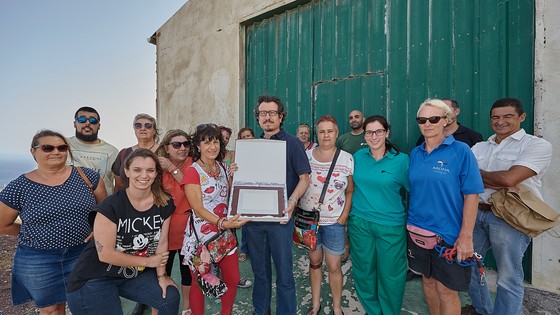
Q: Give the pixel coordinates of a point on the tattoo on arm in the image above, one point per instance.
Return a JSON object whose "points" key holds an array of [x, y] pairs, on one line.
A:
{"points": [[99, 246]]}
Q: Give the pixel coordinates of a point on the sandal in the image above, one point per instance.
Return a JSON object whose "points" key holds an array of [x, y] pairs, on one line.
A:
{"points": [[310, 310]]}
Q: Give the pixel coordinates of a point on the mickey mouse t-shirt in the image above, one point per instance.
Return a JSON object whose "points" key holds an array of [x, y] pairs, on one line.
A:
{"points": [[138, 234]]}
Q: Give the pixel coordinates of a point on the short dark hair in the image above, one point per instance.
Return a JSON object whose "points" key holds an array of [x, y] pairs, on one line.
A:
{"points": [[243, 130], [269, 99], [208, 132], [87, 109], [454, 103], [509, 101]]}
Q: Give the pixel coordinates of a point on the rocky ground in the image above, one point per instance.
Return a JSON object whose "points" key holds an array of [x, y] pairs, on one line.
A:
{"points": [[7, 251]]}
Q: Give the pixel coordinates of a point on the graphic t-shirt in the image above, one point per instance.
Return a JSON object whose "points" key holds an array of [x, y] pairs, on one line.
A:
{"points": [[214, 199], [138, 234]]}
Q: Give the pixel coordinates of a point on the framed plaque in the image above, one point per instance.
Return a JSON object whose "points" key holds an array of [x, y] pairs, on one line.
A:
{"points": [[258, 188]]}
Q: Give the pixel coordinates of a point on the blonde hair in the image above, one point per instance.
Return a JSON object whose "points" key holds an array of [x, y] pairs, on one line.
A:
{"points": [[437, 103]]}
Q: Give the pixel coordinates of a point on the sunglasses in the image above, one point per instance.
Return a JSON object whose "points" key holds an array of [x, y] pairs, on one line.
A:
{"points": [[146, 125], [432, 120], [47, 148], [83, 119], [177, 144]]}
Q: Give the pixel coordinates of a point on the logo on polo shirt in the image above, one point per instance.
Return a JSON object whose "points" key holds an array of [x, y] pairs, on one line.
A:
{"points": [[441, 167]]}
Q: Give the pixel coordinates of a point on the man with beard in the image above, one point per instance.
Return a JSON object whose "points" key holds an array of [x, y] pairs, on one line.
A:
{"points": [[354, 140], [272, 240], [90, 151]]}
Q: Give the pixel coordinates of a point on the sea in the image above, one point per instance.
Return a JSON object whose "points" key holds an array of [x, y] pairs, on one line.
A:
{"points": [[13, 165]]}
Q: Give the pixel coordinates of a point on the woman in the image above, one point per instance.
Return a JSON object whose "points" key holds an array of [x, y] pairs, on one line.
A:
{"points": [[174, 158], [246, 133], [147, 134], [226, 135], [376, 228], [303, 132], [53, 202], [334, 211], [444, 187], [206, 186], [129, 253]]}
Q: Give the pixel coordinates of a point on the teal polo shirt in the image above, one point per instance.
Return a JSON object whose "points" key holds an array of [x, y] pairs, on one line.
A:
{"points": [[377, 187]]}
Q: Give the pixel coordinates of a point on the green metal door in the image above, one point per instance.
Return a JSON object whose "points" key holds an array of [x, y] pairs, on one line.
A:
{"points": [[386, 57]]}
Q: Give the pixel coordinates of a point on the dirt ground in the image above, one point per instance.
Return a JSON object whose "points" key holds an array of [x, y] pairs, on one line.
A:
{"points": [[7, 251]]}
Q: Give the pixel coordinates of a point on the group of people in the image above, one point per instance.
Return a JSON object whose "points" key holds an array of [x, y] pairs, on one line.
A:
{"points": [[117, 220]]}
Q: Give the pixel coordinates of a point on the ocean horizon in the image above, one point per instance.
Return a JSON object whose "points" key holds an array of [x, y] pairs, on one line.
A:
{"points": [[13, 165]]}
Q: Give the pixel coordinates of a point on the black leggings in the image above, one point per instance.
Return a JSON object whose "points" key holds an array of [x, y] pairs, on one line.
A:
{"points": [[186, 278]]}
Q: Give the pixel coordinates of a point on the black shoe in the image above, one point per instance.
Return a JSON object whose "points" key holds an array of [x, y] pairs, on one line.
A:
{"points": [[139, 309], [469, 310]]}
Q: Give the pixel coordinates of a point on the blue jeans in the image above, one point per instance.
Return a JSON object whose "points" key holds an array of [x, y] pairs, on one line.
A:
{"points": [[243, 249], [101, 296], [508, 246], [268, 240]]}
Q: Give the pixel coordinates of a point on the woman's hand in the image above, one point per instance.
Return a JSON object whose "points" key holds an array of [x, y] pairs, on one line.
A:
{"points": [[157, 260], [165, 163], [234, 222], [89, 237], [464, 246], [232, 168], [164, 282], [343, 219]]}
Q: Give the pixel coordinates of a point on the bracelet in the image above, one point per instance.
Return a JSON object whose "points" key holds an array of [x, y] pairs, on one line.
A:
{"points": [[162, 276], [295, 200], [221, 227], [219, 222]]}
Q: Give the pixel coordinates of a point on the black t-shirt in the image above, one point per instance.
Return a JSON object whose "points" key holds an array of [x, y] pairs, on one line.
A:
{"points": [[138, 234], [462, 134]]}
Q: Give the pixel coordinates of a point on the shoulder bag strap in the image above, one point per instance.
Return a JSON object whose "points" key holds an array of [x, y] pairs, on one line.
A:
{"points": [[326, 183], [193, 230], [84, 177]]}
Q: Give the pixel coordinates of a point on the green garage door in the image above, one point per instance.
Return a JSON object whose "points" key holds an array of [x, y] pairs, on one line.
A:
{"points": [[386, 57]]}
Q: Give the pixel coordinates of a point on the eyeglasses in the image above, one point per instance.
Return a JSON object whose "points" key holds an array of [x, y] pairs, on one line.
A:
{"points": [[271, 113], [177, 145], [146, 125], [83, 119], [378, 132], [47, 148], [432, 120]]}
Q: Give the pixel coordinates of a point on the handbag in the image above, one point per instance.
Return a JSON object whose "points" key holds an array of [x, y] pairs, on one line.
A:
{"points": [[422, 237], [306, 223], [218, 247], [523, 210]]}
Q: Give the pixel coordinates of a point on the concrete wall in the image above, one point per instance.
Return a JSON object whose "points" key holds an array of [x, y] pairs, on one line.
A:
{"points": [[546, 247], [200, 66]]}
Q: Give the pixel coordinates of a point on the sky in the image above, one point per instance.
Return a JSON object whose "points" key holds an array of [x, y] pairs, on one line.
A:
{"points": [[59, 55]]}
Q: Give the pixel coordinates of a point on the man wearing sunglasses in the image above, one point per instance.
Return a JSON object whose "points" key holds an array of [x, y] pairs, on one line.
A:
{"points": [[90, 151], [459, 132]]}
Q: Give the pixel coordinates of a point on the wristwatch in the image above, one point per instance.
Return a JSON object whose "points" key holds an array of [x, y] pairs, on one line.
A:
{"points": [[175, 172]]}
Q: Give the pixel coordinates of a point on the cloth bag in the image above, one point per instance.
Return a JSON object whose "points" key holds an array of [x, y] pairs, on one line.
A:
{"points": [[306, 223], [523, 210]]}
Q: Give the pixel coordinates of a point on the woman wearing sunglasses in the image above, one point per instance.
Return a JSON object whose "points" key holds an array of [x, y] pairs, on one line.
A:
{"points": [[53, 202], [129, 253], [206, 184], [147, 134], [444, 187], [174, 157], [376, 227]]}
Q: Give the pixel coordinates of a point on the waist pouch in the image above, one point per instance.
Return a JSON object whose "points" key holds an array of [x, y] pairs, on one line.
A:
{"points": [[422, 237]]}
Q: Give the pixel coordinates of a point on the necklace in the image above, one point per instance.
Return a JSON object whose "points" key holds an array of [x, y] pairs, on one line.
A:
{"points": [[214, 173], [150, 148]]}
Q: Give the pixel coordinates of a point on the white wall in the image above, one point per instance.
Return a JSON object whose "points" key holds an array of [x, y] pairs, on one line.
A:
{"points": [[546, 247], [200, 64]]}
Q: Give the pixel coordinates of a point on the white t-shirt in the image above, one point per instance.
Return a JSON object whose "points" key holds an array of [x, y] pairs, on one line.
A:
{"points": [[335, 197], [99, 157], [518, 149]]}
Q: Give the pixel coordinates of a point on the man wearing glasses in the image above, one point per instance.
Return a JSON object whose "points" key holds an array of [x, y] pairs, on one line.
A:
{"points": [[268, 240], [90, 151]]}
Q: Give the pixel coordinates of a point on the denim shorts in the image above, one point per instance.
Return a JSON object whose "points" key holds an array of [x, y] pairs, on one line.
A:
{"points": [[42, 274], [332, 238]]}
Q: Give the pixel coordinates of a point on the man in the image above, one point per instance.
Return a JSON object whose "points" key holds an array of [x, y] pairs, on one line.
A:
{"points": [[354, 140], [90, 151], [268, 240], [509, 157], [459, 132]]}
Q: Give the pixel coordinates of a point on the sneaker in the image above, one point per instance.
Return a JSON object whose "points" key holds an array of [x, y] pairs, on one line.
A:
{"points": [[187, 312], [243, 257], [244, 283], [469, 310], [412, 275]]}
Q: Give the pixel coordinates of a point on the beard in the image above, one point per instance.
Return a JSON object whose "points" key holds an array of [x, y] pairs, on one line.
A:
{"points": [[86, 138], [357, 126]]}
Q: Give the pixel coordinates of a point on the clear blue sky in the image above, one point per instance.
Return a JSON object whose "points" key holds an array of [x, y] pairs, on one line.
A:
{"points": [[59, 55]]}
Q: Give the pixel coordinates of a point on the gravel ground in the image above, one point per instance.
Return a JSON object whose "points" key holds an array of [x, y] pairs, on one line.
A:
{"points": [[7, 251]]}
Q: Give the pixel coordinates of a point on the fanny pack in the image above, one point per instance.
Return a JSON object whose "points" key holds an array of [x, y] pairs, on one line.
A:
{"points": [[422, 237]]}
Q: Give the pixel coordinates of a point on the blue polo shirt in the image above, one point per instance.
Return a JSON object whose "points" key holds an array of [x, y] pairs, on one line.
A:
{"points": [[296, 159], [438, 182], [377, 187]]}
